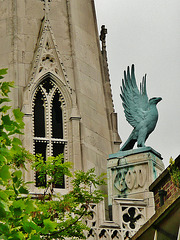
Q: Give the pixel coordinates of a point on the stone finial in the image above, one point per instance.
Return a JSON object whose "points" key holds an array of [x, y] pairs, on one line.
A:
{"points": [[103, 36], [46, 7]]}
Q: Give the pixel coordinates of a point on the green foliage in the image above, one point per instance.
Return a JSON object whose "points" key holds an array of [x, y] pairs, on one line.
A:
{"points": [[60, 215], [174, 173], [50, 216], [54, 167], [10, 145]]}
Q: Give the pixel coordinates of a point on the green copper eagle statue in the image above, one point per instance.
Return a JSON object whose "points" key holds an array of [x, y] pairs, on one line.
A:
{"points": [[140, 112]]}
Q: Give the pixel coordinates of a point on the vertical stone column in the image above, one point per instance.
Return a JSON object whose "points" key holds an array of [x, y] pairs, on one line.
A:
{"points": [[76, 141]]}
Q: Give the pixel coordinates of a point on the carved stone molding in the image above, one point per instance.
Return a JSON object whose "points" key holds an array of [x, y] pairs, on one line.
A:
{"points": [[47, 58]]}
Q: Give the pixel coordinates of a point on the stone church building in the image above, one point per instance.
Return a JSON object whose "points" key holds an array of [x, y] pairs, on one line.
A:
{"points": [[52, 52], [59, 64]]}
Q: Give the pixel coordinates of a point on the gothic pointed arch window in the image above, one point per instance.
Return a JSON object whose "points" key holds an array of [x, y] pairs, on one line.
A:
{"points": [[48, 121]]}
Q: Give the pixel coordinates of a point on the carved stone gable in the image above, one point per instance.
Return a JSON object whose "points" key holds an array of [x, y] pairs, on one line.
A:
{"points": [[47, 57]]}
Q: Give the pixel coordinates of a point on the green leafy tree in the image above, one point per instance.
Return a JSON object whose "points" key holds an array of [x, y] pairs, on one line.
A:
{"points": [[49, 216], [174, 173]]}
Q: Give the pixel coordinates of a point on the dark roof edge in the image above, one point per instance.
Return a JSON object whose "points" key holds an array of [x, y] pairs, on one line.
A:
{"points": [[160, 214]]}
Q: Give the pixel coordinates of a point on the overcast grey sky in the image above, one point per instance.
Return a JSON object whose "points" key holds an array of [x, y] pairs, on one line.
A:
{"points": [[146, 33]]}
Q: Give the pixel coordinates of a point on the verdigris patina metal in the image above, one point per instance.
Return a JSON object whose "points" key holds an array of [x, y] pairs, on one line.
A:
{"points": [[140, 112]]}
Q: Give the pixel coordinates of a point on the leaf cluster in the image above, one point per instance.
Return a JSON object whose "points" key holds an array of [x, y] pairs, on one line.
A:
{"points": [[11, 124], [65, 212], [55, 168], [174, 172]]}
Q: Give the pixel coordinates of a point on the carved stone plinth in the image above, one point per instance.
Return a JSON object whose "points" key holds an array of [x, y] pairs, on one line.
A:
{"points": [[130, 174]]}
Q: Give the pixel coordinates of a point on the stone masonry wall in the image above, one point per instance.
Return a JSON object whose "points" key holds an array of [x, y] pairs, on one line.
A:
{"points": [[69, 29]]}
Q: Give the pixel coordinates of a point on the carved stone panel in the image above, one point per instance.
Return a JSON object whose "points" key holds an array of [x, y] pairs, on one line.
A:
{"points": [[133, 217], [130, 179]]}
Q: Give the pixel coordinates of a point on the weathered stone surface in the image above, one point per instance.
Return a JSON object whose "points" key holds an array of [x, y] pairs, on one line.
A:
{"points": [[130, 173], [63, 43]]}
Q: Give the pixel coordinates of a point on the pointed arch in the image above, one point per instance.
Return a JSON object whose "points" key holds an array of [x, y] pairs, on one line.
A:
{"points": [[47, 64], [49, 120], [57, 116], [65, 92], [47, 108], [39, 115]]}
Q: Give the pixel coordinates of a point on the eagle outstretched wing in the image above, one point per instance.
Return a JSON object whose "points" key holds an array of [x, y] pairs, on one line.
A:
{"points": [[135, 102]]}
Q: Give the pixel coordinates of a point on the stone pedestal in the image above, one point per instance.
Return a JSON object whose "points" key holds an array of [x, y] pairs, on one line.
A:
{"points": [[130, 174]]}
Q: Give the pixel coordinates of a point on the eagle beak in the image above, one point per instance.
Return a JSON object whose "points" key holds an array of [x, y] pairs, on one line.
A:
{"points": [[158, 99]]}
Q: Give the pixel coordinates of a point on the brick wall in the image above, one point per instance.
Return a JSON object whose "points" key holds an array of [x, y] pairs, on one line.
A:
{"points": [[164, 182], [167, 185]]}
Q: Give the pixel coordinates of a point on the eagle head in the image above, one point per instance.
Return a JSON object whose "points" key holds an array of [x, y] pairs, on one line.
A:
{"points": [[155, 100]]}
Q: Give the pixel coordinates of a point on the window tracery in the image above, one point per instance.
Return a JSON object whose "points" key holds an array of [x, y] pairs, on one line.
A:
{"points": [[48, 123]]}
